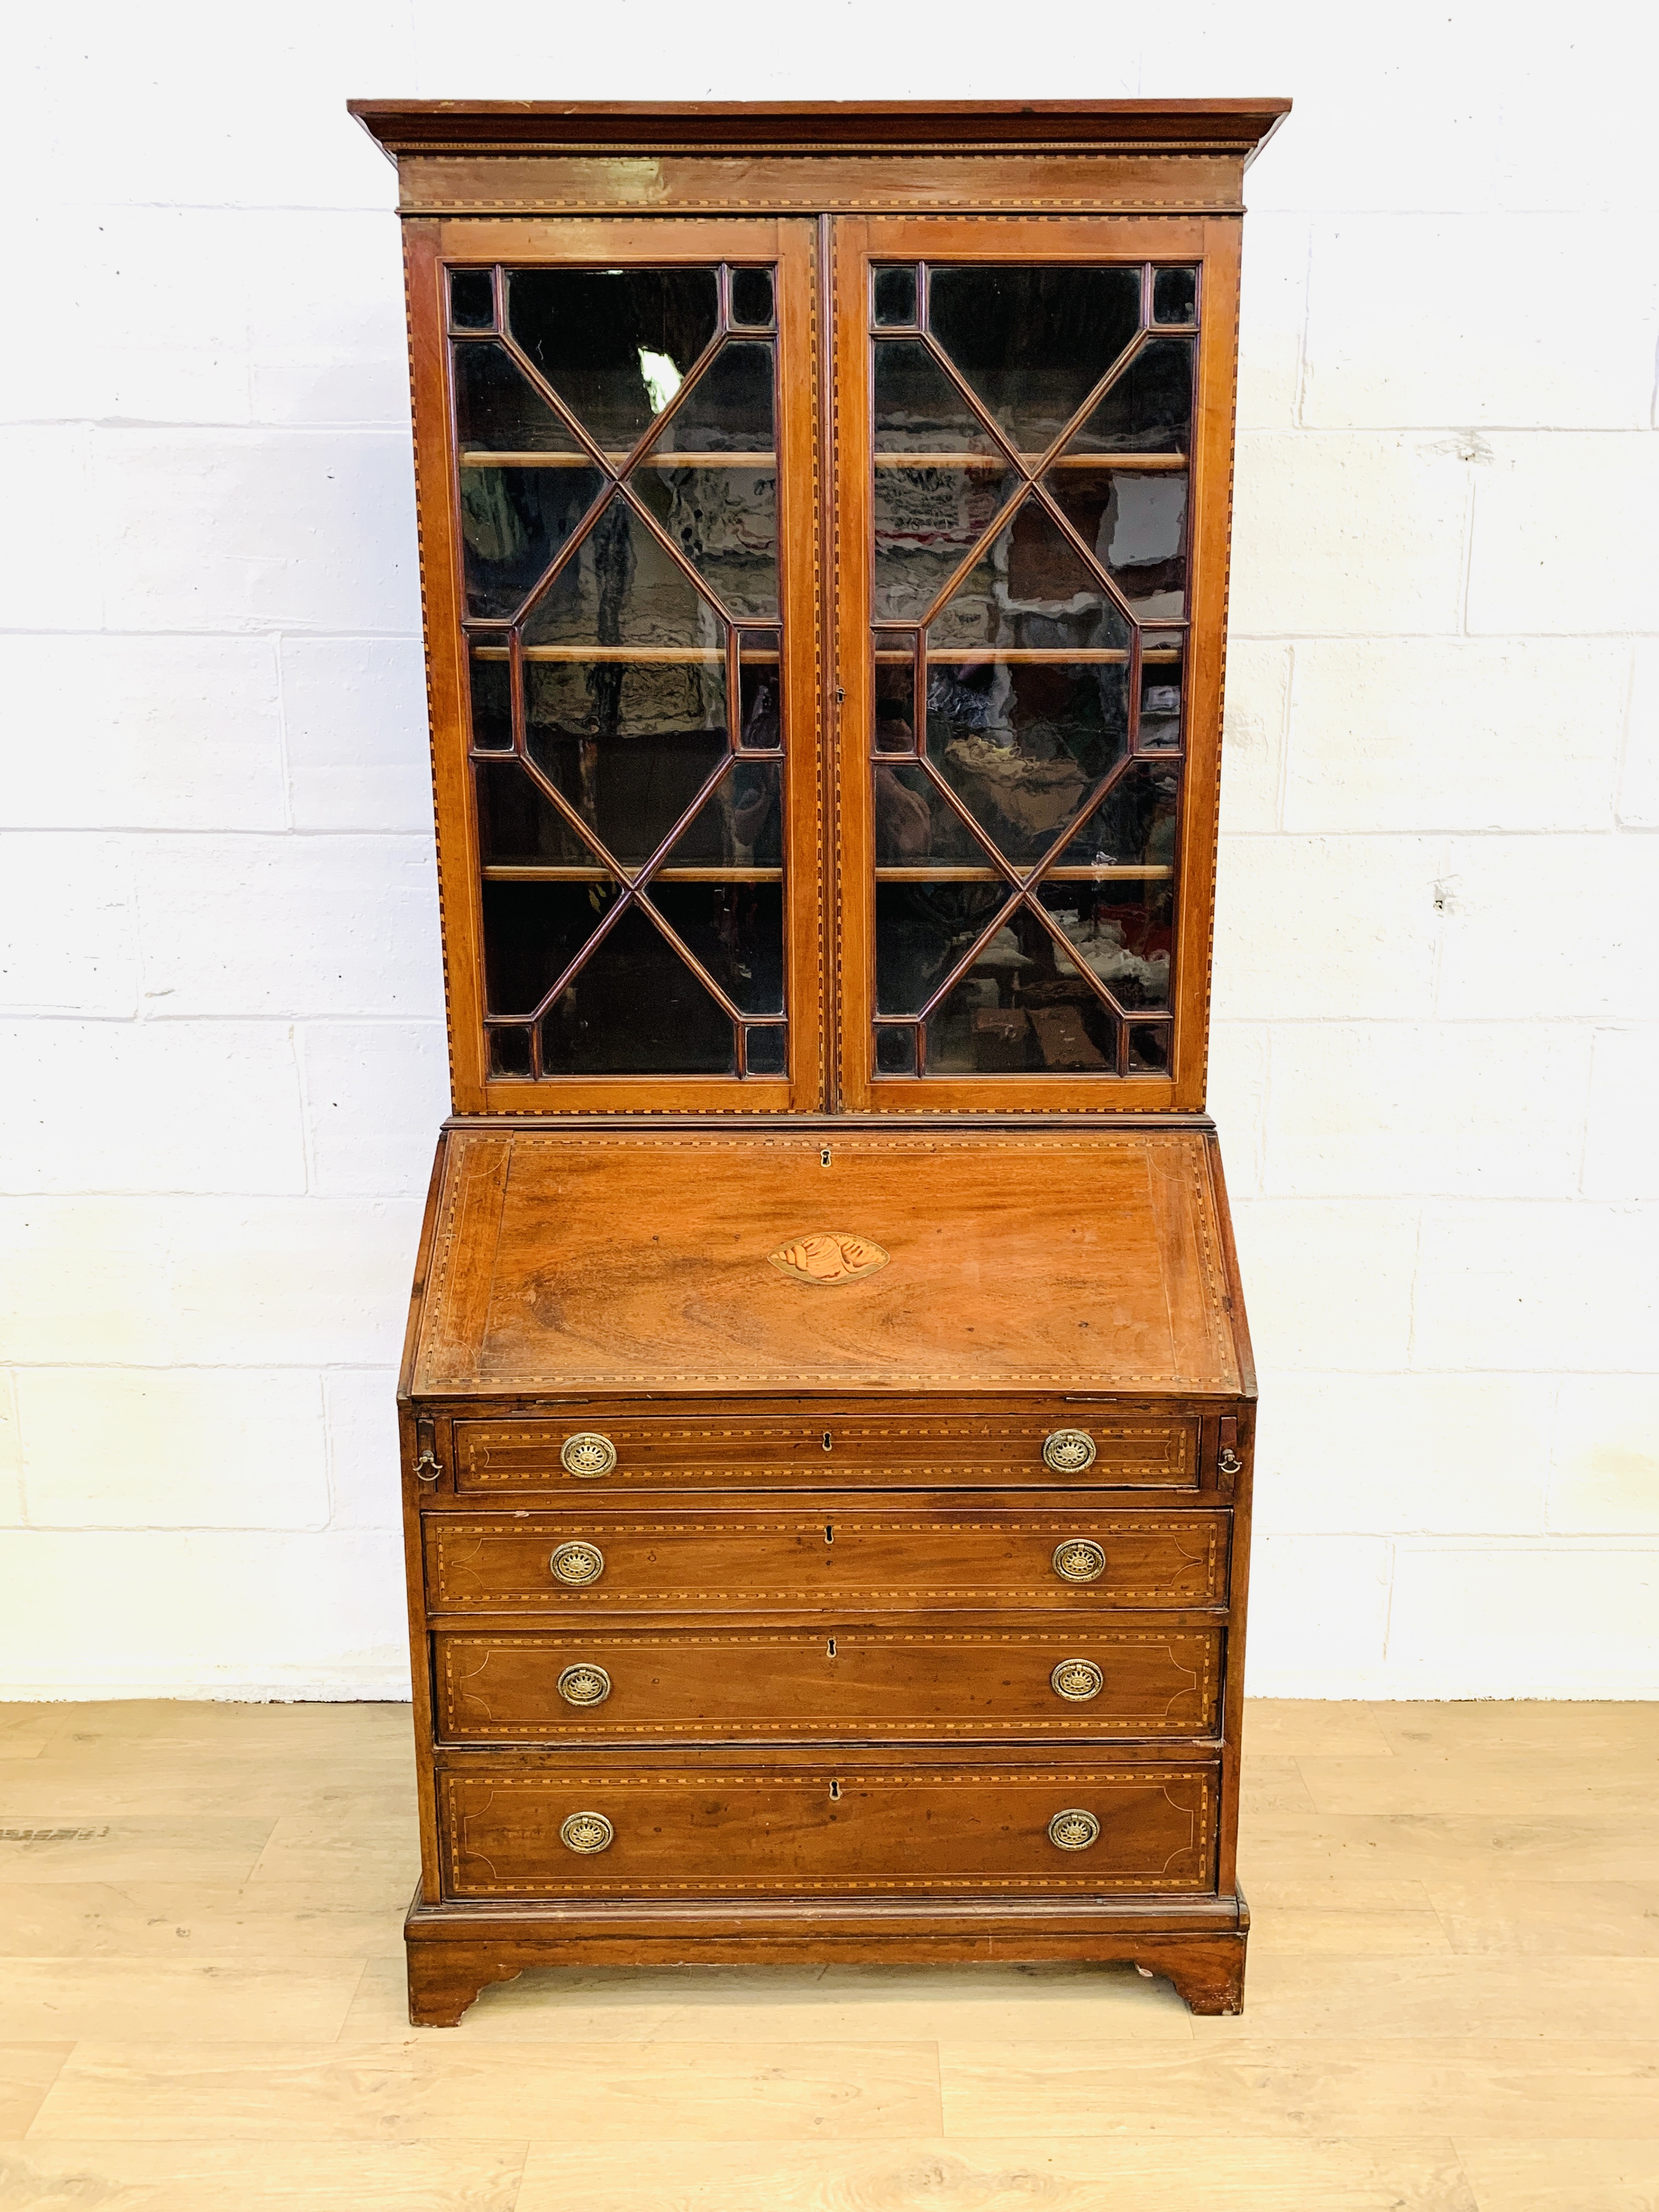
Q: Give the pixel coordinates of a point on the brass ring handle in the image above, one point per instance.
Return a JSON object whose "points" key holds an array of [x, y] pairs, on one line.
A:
{"points": [[1077, 1680], [1068, 1451], [588, 1831], [577, 1564], [1073, 1830], [1230, 1461], [1080, 1559], [584, 1684], [587, 1454]]}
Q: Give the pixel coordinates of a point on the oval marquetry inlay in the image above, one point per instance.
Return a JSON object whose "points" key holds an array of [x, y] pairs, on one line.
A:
{"points": [[828, 1258]]}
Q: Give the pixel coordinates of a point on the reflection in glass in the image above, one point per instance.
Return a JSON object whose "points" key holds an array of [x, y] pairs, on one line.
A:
{"points": [[509, 1051], [1133, 826], [740, 821], [471, 300], [517, 821], [636, 1008], [532, 932], [616, 344], [729, 409], [499, 411], [1162, 665], [492, 699], [1119, 932], [1134, 523], [725, 522], [1147, 410], [761, 727], [512, 523], [1174, 295], [895, 695], [923, 930], [1023, 744], [751, 298], [896, 1052], [623, 587], [1149, 1047], [1034, 343], [928, 522], [1023, 1006], [1030, 588], [766, 1048], [629, 745], [895, 294], [736, 932], [917, 408]]}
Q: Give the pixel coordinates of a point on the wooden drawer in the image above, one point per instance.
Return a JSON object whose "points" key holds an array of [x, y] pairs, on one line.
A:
{"points": [[926, 1448], [852, 1830], [821, 1556], [1060, 1678]]}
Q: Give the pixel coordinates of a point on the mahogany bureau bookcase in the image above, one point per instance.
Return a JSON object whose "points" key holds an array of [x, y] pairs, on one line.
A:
{"points": [[827, 1408]]}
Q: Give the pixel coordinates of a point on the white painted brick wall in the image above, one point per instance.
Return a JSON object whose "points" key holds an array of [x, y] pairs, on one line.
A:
{"points": [[1436, 1043]]}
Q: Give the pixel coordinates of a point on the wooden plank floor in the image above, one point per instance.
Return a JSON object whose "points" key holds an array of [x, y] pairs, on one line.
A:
{"points": [[1453, 2002]]}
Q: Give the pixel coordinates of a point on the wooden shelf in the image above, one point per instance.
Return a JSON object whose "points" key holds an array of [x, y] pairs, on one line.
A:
{"points": [[475, 458], [950, 873], [554, 872], [989, 461]]}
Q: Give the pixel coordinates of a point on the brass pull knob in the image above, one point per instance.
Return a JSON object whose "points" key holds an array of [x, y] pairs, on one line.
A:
{"points": [[1073, 1830], [584, 1684], [578, 1564], [1068, 1451], [591, 1832], [1075, 1680], [1078, 1559], [587, 1454]]}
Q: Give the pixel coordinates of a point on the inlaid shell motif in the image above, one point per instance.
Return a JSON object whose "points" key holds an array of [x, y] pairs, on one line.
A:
{"points": [[828, 1258]]}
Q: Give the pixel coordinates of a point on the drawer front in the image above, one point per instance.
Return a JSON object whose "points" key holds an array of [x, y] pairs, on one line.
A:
{"points": [[790, 1452], [1059, 1678], [734, 1831], [705, 1563]]}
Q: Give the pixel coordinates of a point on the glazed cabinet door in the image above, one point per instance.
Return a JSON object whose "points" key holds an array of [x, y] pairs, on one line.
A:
{"points": [[1034, 437], [615, 425]]}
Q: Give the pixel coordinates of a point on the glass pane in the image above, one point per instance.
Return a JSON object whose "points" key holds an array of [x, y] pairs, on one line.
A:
{"points": [[1023, 744], [928, 522], [1149, 1047], [1148, 409], [1174, 295], [622, 587], [725, 522], [1030, 589], [761, 719], [895, 694], [921, 930], [1134, 523], [509, 1051], [736, 931], [1134, 825], [513, 522], [1034, 343], [768, 1050], [637, 1009], [896, 1052], [471, 300], [729, 409], [616, 344], [894, 293], [1162, 668], [741, 821], [531, 933], [917, 408], [752, 297], [1121, 933], [628, 744], [499, 411], [517, 821], [492, 699], [1023, 1006], [916, 825]]}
